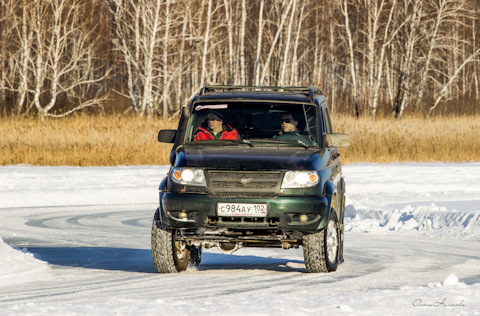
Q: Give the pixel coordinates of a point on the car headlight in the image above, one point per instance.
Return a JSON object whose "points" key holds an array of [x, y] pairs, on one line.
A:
{"points": [[188, 176], [300, 179]]}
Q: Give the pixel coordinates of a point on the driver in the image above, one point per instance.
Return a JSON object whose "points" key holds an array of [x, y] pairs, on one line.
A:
{"points": [[290, 131], [216, 130]]}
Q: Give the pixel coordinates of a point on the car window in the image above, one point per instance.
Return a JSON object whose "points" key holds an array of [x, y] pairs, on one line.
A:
{"points": [[328, 121], [254, 121]]}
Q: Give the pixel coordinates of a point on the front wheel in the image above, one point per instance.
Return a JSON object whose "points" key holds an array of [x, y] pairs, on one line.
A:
{"points": [[321, 250], [169, 255]]}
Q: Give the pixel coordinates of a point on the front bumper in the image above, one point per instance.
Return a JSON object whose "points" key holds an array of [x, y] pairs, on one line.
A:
{"points": [[284, 213]]}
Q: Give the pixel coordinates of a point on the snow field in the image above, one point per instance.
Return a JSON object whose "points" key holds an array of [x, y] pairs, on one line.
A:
{"points": [[435, 203]]}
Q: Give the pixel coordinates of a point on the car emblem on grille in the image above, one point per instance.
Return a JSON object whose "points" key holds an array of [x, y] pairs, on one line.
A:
{"points": [[246, 180]]}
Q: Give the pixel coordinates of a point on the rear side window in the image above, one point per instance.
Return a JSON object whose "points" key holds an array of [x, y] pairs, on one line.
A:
{"points": [[328, 122]]}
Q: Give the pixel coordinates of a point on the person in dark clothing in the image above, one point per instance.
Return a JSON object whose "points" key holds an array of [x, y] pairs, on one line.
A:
{"points": [[290, 131]]}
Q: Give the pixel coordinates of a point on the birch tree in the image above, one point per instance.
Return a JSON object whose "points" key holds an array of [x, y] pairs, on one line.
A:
{"points": [[274, 42], [288, 35], [294, 68], [206, 41], [387, 55], [445, 10], [376, 58], [243, 71], [22, 56], [447, 85], [138, 26], [8, 24], [405, 74], [259, 43], [166, 79], [63, 43], [351, 51], [231, 54]]}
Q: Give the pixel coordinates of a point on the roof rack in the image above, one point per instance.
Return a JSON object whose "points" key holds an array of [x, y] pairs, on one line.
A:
{"points": [[308, 91]]}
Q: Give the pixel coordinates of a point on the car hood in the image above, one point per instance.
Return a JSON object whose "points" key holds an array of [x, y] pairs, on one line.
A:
{"points": [[248, 158]]}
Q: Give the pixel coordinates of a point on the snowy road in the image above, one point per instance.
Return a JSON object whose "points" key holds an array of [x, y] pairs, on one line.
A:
{"points": [[412, 246]]}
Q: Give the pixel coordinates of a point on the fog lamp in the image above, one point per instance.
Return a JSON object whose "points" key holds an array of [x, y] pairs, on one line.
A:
{"points": [[303, 218]]}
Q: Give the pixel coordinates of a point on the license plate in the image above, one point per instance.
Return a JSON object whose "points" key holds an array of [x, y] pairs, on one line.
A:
{"points": [[242, 209]]}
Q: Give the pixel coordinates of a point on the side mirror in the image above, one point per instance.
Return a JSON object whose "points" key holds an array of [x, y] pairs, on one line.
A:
{"points": [[336, 140], [167, 135]]}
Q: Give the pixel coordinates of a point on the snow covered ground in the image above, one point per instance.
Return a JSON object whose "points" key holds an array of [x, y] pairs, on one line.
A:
{"points": [[76, 241]]}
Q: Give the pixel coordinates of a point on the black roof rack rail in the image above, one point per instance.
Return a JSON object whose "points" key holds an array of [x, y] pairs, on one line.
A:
{"points": [[309, 91]]}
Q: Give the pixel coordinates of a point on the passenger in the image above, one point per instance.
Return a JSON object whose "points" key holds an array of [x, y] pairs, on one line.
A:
{"points": [[216, 130], [291, 132]]}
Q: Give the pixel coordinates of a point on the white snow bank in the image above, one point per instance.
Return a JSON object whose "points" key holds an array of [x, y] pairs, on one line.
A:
{"points": [[392, 187], [18, 265], [426, 219], [439, 199]]}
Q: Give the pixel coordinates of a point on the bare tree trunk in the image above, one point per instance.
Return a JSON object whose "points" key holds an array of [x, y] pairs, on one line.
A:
{"points": [[38, 69], [229, 19], [259, 43], [166, 81], [373, 15], [63, 45], [441, 14], [243, 74], [476, 70], [445, 88], [403, 94], [150, 45], [287, 46], [25, 36], [205, 44], [356, 112], [387, 38], [272, 48], [294, 69], [331, 61], [4, 14], [181, 60]]}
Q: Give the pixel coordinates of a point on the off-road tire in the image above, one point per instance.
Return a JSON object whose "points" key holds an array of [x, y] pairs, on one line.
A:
{"points": [[321, 250], [169, 255]]}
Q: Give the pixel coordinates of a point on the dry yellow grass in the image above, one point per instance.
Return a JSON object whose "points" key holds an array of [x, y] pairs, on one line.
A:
{"points": [[105, 141], [453, 139], [83, 141]]}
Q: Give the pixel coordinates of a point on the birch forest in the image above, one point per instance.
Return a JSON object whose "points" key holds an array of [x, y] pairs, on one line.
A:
{"points": [[148, 57]]}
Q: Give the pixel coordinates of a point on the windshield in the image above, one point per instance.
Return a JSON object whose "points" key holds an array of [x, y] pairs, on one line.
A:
{"points": [[258, 123]]}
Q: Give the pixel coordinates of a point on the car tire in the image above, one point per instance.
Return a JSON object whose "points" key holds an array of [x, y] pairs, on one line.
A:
{"points": [[321, 250], [169, 255]]}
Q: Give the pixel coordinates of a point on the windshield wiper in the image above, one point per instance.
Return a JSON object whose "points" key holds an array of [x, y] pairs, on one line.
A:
{"points": [[302, 143], [244, 141], [221, 142], [278, 141]]}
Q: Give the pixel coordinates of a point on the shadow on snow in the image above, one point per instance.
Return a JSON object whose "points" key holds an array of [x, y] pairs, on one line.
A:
{"points": [[140, 260]]}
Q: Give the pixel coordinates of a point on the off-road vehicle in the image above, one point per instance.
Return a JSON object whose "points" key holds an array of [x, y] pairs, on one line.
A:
{"points": [[267, 184]]}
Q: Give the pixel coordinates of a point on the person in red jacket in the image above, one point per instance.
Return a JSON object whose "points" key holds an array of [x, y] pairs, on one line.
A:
{"points": [[216, 130]]}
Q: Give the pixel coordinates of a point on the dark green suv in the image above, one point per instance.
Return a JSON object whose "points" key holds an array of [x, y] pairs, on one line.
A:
{"points": [[252, 167]]}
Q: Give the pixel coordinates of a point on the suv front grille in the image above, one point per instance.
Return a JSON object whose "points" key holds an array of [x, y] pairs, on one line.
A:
{"points": [[244, 184]]}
